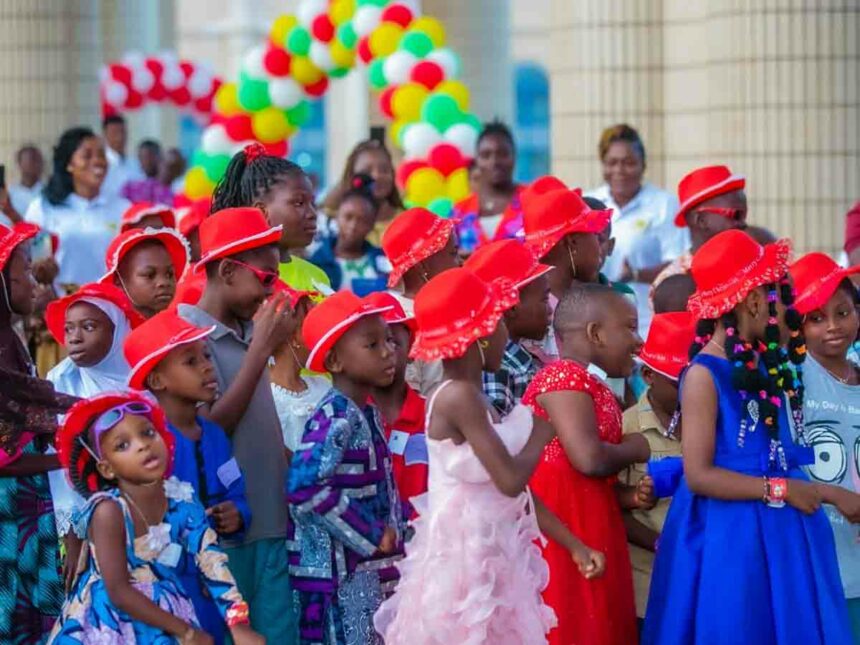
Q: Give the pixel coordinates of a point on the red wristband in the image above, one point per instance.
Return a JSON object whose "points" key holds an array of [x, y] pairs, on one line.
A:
{"points": [[777, 490], [238, 614]]}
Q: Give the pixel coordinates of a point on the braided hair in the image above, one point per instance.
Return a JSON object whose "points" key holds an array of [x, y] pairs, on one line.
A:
{"points": [[250, 176], [83, 469]]}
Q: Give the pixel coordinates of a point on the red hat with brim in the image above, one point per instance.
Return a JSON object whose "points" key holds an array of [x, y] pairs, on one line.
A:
{"points": [[78, 420], [668, 344], [412, 237], [12, 238], [395, 314], [136, 212], [176, 245], [233, 231], [191, 217], [149, 343], [816, 278], [703, 184], [455, 309], [730, 265], [55, 312], [557, 214], [539, 187], [507, 260], [331, 319]]}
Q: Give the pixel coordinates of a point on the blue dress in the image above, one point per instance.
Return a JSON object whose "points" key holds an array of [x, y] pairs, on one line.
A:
{"points": [[740, 571]]}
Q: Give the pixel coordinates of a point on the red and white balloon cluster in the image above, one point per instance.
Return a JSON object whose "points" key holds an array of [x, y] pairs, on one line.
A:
{"points": [[136, 80]]}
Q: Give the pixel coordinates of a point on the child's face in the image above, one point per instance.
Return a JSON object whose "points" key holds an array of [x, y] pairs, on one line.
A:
{"points": [[132, 451], [245, 291], [186, 372], [446, 258], [663, 390], [21, 285], [194, 243], [376, 164], [88, 333], [355, 220], [607, 244], [494, 351], [616, 337], [831, 330], [365, 354], [586, 254], [531, 317], [290, 203], [148, 276], [402, 340]]}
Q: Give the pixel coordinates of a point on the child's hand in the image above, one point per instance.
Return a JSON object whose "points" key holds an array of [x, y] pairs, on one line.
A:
{"points": [[644, 496], [591, 563], [640, 443], [196, 637], [227, 517], [73, 546], [244, 635], [805, 497], [274, 323], [847, 503], [389, 540]]}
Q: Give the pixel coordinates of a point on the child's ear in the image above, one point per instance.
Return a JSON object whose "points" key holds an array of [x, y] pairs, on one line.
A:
{"points": [[105, 470], [647, 375], [154, 381], [225, 270], [594, 333], [754, 303], [333, 363], [262, 207]]}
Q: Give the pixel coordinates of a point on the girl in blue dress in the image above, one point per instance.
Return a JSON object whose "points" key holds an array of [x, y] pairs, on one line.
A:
{"points": [[117, 451], [746, 555]]}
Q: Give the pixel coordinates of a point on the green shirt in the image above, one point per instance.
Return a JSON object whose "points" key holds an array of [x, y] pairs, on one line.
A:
{"points": [[304, 276]]}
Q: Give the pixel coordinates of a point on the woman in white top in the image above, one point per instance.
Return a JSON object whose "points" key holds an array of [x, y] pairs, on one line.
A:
{"points": [[73, 208], [646, 238]]}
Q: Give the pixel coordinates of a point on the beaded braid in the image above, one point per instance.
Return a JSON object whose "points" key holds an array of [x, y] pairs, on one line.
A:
{"points": [[704, 332], [249, 177], [793, 356], [83, 473]]}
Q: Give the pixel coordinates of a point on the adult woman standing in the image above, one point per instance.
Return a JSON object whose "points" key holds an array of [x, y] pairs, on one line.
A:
{"points": [[643, 217]]}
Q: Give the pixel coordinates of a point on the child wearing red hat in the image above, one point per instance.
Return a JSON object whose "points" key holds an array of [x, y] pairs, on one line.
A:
{"points": [[746, 548], [511, 261], [829, 304], [478, 522], [401, 407], [663, 358], [419, 245], [577, 476], [140, 522], [189, 219], [240, 259], [145, 264], [147, 215], [348, 522]]}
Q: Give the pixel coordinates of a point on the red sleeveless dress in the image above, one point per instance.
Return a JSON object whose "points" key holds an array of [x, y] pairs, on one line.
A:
{"points": [[590, 612]]}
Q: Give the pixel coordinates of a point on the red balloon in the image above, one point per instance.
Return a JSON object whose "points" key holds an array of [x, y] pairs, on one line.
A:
{"points": [[397, 13], [155, 66], [157, 92], [217, 118], [277, 61], [317, 89], [364, 52], [428, 73], [322, 28], [108, 109], [203, 105], [134, 99], [121, 73], [277, 149], [385, 101], [239, 127], [446, 158], [407, 168], [181, 96], [187, 68]]}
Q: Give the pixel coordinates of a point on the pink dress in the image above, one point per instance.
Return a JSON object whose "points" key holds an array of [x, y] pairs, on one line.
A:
{"points": [[473, 573]]}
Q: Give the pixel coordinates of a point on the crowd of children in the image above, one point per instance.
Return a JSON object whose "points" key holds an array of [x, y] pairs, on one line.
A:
{"points": [[244, 445]]}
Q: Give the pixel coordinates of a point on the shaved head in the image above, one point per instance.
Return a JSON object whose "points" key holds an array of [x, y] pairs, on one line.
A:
{"points": [[673, 293], [584, 303]]}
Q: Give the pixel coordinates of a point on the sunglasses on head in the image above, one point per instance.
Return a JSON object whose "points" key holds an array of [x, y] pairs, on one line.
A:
{"points": [[734, 214], [110, 418], [266, 278]]}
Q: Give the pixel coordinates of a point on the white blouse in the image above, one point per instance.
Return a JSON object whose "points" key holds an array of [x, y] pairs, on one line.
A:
{"points": [[295, 408]]}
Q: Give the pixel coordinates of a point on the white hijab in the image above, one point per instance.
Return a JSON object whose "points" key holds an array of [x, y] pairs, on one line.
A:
{"points": [[109, 374]]}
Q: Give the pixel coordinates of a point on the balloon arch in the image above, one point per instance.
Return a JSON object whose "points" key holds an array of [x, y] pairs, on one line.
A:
{"points": [[407, 62]]}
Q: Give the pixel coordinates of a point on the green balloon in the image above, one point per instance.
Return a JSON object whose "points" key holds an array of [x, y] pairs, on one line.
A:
{"points": [[253, 93], [338, 72], [376, 74], [417, 43], [346, 34], [299, 41], [299, 114], [441, 206], [198, 158], [372, 3], [215, 166], [441, 111], [473, 120]]}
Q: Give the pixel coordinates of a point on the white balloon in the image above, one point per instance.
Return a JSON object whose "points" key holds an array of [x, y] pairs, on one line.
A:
{"points": [[366, 19], [172, 77], [320, 55], [142, 79], [104, 75], [215, 141], [310, 9], [419, 139], [133, 59], [200, 83], [285, 93], [252, 63], [465, 137], [115, 93], [398, 66], [447, 60]]}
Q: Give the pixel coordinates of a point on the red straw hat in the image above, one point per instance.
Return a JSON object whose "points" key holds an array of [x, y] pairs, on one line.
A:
{"points": [[136, 212], [816, 277], [730, 265], [506, 260], [540, 186], [413, 236], [55, 312], [455, 309], [669, 340], [193, 215], [176, 245], [11, 238], [331, 319], [394, 314], [83, 413], [559, 213], [703, 184], [232, 231], [147, 345]]}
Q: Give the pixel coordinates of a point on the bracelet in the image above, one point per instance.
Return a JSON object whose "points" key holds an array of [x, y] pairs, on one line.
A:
{"points": [[765, 496], [777, 489], [237, 614]]}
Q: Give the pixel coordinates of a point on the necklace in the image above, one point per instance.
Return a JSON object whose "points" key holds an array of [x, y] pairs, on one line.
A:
{"points": [[844, 380], [137, 508], [718, 346]]}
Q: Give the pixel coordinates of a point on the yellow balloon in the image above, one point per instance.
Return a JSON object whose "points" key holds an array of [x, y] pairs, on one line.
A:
{"points": [[304, 71], [456, 90], [457, 185], [270, 125], [394, 131], [430, 26], [424, 185], [227, 100], [341, 55], [385, 39], [281, 27], [407, 101], [341, 11], [197, 184]]}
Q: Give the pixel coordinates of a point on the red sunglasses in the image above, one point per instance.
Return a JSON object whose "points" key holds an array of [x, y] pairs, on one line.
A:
{"points": [[266, 278], [734, 214]]}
